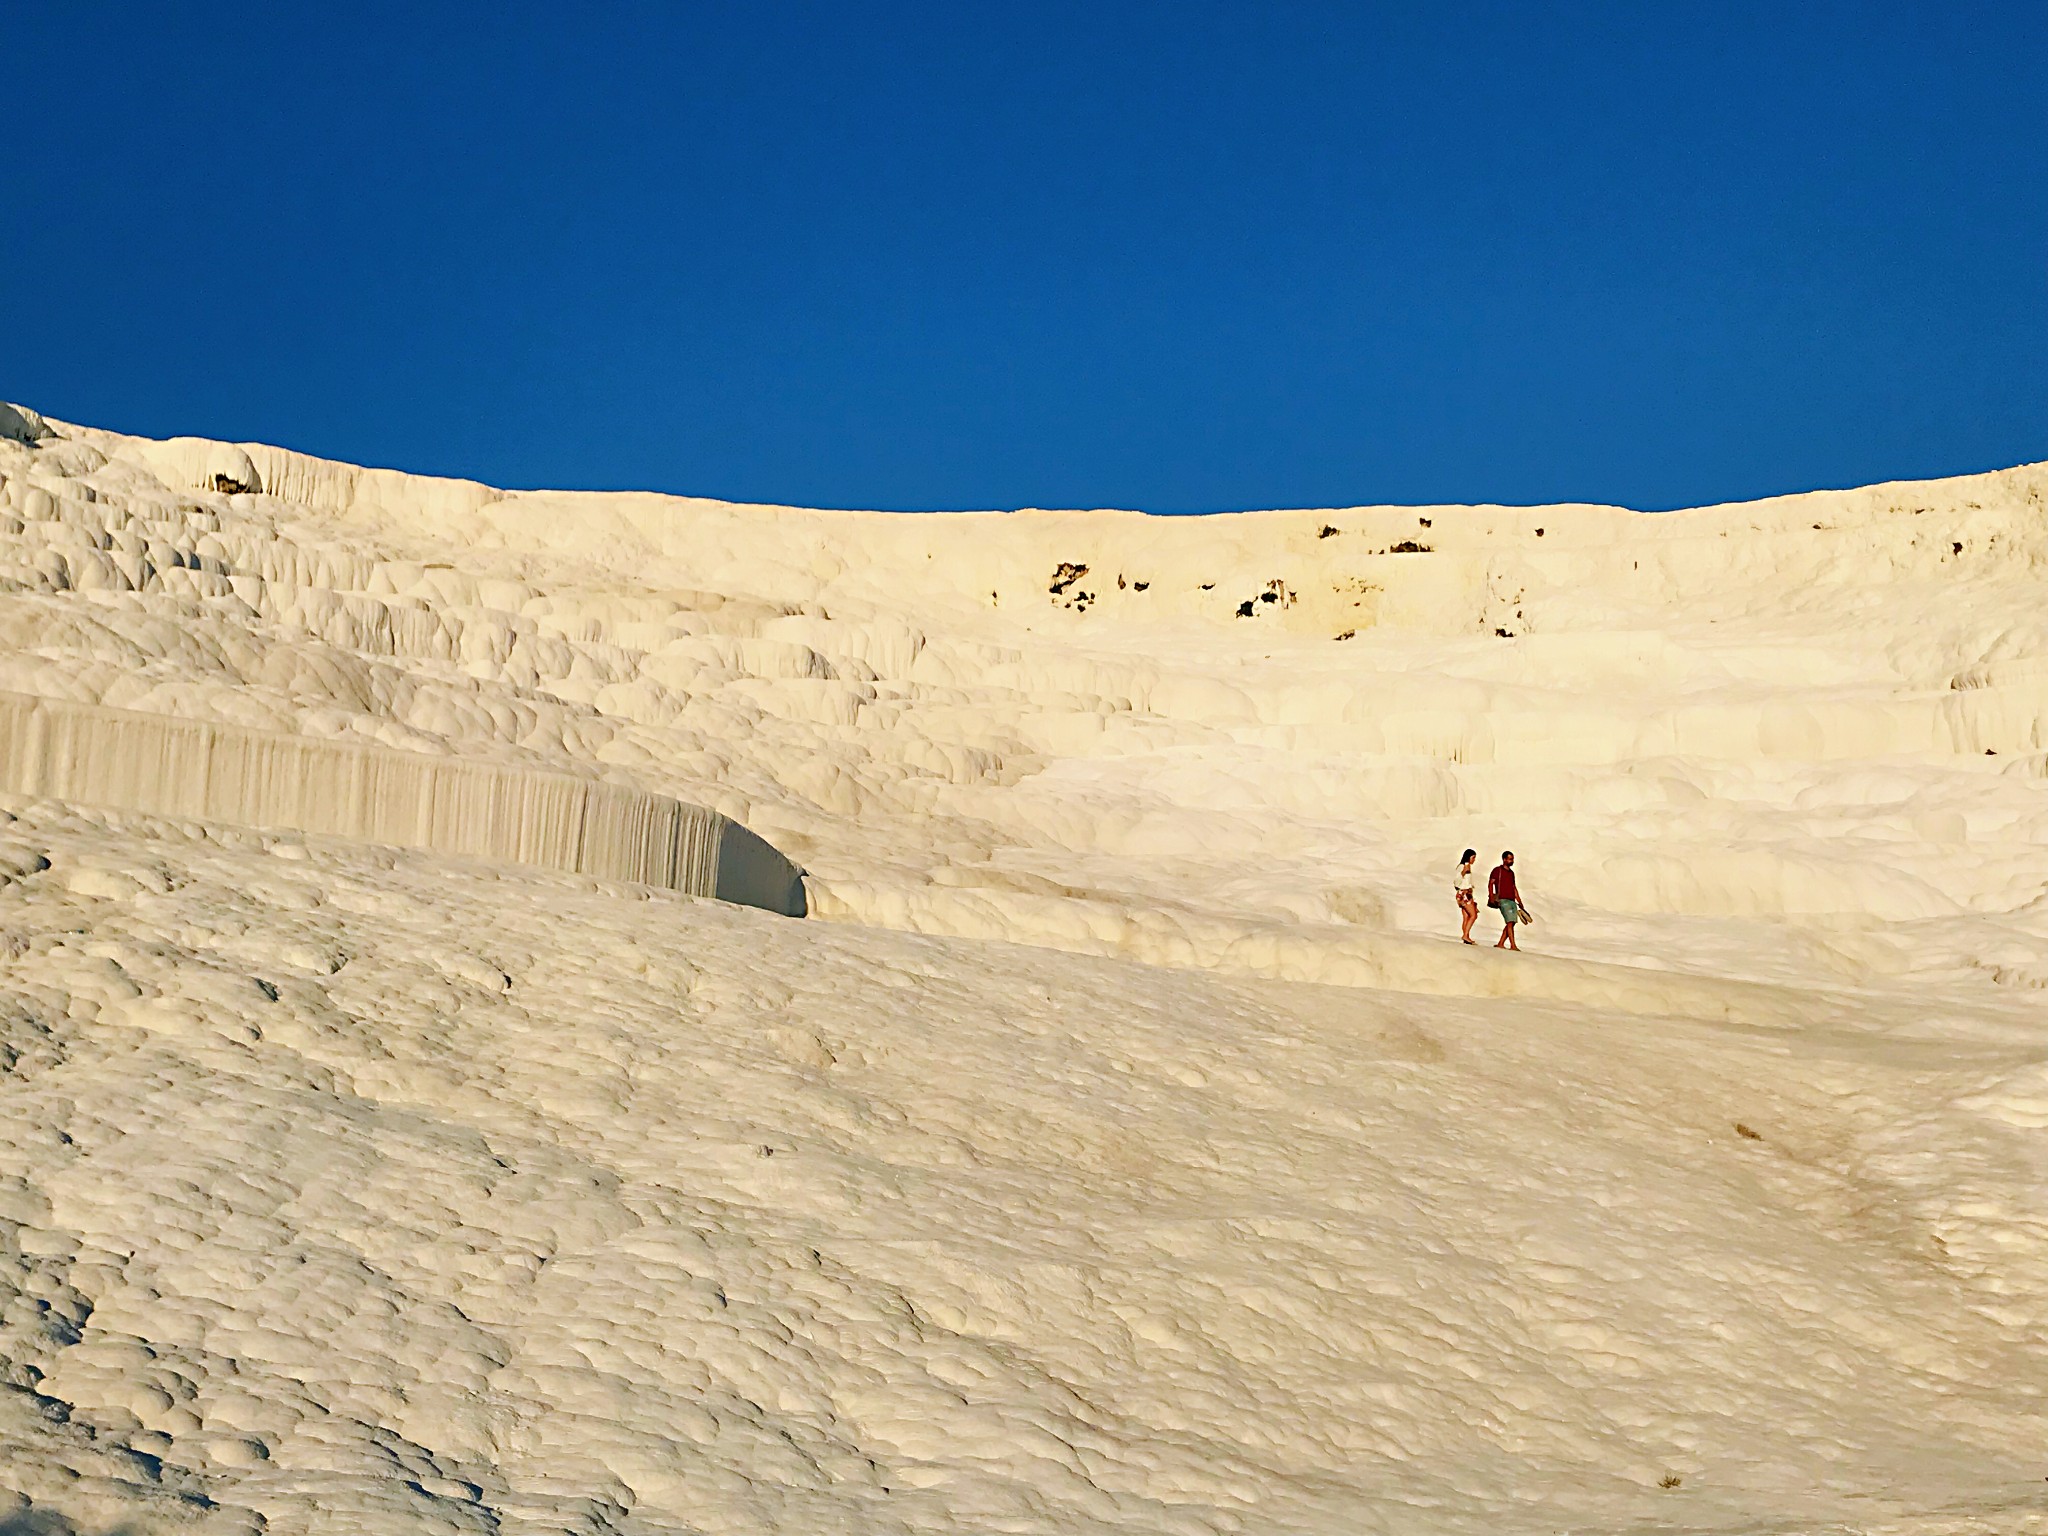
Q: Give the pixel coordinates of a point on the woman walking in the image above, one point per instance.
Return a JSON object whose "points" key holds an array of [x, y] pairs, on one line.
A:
{"points": [[1505, 897], [1468, 905]]}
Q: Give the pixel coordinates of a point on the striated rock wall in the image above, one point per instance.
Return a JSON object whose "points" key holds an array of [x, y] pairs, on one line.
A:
{"points": [[491, 811]]}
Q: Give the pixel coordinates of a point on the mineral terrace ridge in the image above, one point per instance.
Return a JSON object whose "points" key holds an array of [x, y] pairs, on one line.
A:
{"points": [[397, 1136]]}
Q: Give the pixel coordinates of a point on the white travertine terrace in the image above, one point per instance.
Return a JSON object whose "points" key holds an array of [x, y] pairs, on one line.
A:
{"points": [[203, 771], [1131, 1148]]}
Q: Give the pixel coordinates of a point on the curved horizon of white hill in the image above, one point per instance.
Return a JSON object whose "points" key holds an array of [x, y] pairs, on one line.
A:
{"points": [[1133, 1147]]}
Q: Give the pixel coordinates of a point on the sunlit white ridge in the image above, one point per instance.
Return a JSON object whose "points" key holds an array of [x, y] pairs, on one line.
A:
{"points": [[393, 1139]]}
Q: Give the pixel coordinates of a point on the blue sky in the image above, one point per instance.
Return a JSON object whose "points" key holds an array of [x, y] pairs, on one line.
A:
{"points": [[1182, 257]]}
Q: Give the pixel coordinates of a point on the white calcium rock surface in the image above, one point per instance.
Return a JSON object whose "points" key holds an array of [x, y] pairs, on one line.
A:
{"points": [[1125, 1143]]}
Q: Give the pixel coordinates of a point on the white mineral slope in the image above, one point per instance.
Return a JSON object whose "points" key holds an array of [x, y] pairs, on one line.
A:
{"points": [[1132, 1149]]}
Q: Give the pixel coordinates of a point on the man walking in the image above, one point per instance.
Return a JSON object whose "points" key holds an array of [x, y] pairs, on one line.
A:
{"points": [[1505, 897]]}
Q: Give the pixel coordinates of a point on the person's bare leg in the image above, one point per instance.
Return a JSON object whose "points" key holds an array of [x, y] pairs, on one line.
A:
{"points": [[1507, 931], [1470, 914], [1509, 935]]}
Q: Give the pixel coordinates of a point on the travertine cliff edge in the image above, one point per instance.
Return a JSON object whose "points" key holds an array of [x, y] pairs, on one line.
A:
{"points": [[203, 771]]}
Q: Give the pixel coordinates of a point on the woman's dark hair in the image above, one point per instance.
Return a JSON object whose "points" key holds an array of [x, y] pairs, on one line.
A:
{"points": [[1470, 854]]}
